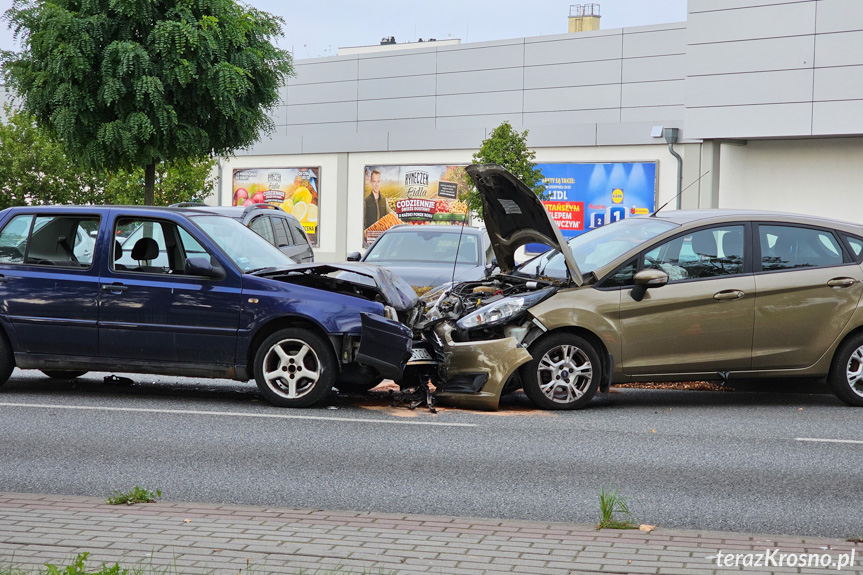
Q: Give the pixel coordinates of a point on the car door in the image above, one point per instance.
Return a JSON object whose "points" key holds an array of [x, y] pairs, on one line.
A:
{"points": [[153, 312], [48, 295], [807, 288], [701, 321]]}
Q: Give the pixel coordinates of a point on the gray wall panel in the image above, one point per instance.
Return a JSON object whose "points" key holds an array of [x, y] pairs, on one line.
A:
{"points": [[795, 19], [585, 47], [749, 121], [480, 81], [576, 74], [562, 135], [844, 83], [653, 68], [283, 144], [751, 56], [646, 94], [366, 142], [837, 118], [410, 64], [440, 139], [323, 93], [332, 70], [655, 114], [567, 118], [580, 98], [419, 125], [709, 5], [470, 104], [506, 56], [396, 87], [619, 134], [654, 43], [332, 128], [484, 121], [832, 49], [322, 113], [758, 88], [279, 115], [839, 15], [396, 108]]}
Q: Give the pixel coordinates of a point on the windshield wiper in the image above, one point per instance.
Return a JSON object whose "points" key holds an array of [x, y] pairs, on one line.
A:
{"points": [[258, 271]]}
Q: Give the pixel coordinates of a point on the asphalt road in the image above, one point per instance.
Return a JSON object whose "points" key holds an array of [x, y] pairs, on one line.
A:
{"points": [[683, 459]]}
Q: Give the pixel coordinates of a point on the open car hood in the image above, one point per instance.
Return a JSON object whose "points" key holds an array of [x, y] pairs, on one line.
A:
{"points": [[396, 291], [515, 216]]}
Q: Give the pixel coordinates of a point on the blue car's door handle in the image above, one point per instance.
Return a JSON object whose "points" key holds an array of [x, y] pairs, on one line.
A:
{"points": [[3, 279], [114, 287]]}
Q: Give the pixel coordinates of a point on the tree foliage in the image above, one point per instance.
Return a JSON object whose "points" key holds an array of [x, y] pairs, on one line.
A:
{"points": [[508, 148], [128, 84], [34, 169]]}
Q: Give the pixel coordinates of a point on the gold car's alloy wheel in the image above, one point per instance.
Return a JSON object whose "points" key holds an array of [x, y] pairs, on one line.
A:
{"points": [[854, 371], [291, 368], [564, 373]]}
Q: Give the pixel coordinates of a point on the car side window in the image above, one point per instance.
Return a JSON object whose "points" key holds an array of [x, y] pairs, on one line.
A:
{"points": [[856, 245], [13, 239], [706, 253], [283, 236], [298, 233], [261, 226], [622, 277], [61, 241], [794, 247], [155, 247]]}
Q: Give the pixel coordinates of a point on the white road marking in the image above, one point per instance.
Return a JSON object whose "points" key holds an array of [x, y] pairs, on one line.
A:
{"points": [[816, 440], [233, 414]]}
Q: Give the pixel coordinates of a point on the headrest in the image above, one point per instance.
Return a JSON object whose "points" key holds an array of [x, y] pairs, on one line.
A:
{"points": [[732, 244], [145, 249], [704, 244], [118, 250]]}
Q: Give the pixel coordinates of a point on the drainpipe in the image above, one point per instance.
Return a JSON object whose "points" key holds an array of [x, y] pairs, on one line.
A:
{"points": [[671, 137]]}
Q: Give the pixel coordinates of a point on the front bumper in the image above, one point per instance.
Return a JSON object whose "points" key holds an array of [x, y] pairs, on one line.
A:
{"points": [[474, 373]]}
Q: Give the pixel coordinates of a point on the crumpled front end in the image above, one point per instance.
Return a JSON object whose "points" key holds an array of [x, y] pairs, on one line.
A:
{"points": [[473, 374]]}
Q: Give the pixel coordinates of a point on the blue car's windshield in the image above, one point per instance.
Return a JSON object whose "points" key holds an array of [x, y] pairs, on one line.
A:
{"points": [[598, 247], [245, 248]]}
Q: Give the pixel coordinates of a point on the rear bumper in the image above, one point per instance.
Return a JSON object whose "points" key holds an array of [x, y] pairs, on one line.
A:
{"points": [[384, 345]]}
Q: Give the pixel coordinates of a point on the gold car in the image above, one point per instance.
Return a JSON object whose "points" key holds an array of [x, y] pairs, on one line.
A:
{"points": [[680, 295]]}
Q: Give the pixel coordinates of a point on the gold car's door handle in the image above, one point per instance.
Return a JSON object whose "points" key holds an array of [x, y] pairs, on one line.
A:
{"points": [[842, 282], [728, 294]]}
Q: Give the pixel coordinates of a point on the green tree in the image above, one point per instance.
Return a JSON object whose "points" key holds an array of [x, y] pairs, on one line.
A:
{"points": [[508, 148], [34, 169], [132, 83]]}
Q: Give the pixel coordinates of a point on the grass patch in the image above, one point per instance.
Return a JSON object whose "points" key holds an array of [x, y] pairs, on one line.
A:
{"points": [[134, 495], [611, 502]]}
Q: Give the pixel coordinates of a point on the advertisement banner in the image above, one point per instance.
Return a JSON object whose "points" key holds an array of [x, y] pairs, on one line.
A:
{"points": [[418, 195], [583, 197], [294, 190]]}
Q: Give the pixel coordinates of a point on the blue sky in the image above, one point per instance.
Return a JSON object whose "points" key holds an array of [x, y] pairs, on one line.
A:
{"points": [[319, 27]]}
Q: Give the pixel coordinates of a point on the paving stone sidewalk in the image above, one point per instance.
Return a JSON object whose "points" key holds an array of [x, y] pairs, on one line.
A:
{"points": [[189, 538]]}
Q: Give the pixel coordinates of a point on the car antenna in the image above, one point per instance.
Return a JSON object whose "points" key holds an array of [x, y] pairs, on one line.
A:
{"points": [[457, 248], [653, 215]]}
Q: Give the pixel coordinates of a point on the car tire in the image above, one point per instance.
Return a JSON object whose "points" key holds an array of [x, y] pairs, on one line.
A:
{"points": [[564, 373], [7, 359], [295, 368], [63, 374], [846, 372]]}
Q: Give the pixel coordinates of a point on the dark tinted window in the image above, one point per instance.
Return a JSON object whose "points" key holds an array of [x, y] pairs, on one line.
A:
{"points": [[791, 247], [702, 254], [623, 277], [856, 245], [61, 241], [283, 236], [261, 226], [298, 233]]}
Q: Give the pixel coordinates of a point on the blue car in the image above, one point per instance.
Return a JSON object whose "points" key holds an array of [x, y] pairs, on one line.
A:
{"points": [[198, 294]]}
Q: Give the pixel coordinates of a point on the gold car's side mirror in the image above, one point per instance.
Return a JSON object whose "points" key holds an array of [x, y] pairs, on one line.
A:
{"points": [[647, 279]]}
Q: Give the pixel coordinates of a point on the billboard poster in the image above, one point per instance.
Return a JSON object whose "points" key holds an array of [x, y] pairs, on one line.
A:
{"points": [[582, 197], [418, 195], [294, 190]]}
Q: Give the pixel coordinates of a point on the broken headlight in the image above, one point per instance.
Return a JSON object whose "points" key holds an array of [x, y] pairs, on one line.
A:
{"points": [[503, 310]]}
